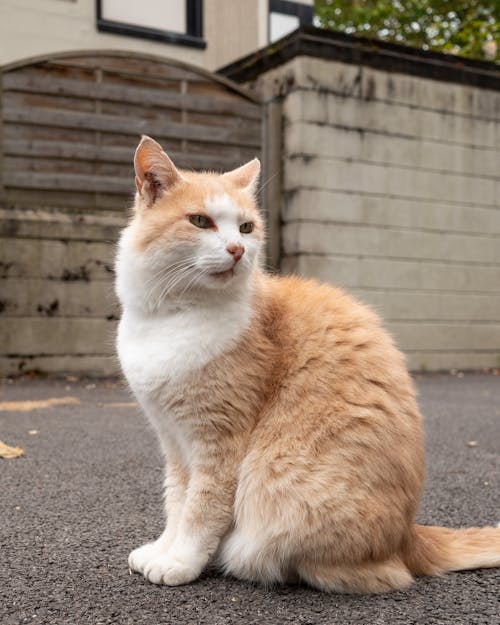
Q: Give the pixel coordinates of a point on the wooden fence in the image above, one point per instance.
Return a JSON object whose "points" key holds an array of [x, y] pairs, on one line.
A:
{"points": [[69, 125]]}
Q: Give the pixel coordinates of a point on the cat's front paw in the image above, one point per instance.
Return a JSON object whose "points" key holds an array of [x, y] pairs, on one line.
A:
{"points": [[139, 558], [171, 571]]}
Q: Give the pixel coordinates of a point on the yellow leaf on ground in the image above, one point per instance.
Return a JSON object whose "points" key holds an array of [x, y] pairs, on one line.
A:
{"points": [[121, 404], [10, 452], [35, 404]]}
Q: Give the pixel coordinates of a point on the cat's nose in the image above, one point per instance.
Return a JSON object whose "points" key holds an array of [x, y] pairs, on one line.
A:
{"points": [[236, 250]]}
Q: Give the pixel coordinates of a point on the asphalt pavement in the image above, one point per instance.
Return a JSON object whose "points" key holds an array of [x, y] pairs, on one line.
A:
{"points": [[88, 490]]}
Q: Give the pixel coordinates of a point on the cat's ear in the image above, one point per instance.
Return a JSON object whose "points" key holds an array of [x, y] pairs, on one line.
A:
{"points": [[154, 171], [246, 176]]}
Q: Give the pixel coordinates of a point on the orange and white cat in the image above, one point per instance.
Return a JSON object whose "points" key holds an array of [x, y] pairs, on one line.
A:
{"points": [[287, 418]]}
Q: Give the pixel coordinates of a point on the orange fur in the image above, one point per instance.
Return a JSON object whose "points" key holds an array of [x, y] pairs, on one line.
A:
{"points": [[306, 436]]}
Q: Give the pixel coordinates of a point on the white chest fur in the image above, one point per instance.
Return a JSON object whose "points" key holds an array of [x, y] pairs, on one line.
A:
{"points": [[158, 353], [155, 350], [161, 348]]}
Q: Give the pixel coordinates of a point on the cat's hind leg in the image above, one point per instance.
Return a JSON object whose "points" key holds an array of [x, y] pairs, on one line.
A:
{"points": [[253, 559], [365, 578], [254, 556]]}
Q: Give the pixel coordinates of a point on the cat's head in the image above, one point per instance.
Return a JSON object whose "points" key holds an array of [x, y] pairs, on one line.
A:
{"points": [[192, 231]]}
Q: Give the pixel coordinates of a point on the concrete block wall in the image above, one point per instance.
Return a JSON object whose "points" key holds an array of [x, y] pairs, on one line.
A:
{"points": [[57, 303], [391, 188]]}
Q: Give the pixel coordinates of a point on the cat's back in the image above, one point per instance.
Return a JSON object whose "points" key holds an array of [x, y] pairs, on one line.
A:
{"points": [[330, 341], [310, 306], [315, 314]]}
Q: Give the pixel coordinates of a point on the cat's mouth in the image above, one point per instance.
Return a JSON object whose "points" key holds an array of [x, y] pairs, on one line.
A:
{"points": [[224, 275]]}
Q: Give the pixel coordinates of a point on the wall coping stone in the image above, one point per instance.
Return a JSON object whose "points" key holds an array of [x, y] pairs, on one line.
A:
{"points": [[391, 57]]}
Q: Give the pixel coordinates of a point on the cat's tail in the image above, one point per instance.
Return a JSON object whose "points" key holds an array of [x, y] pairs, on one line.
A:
{"points": [[434, 550]]}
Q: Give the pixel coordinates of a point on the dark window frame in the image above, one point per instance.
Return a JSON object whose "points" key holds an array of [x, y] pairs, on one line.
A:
{"points": [[193, 37], [304, 12]]}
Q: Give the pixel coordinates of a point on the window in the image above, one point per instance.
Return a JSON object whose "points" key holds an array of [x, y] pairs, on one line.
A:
{"points": [[172, 21], [285, 16]]}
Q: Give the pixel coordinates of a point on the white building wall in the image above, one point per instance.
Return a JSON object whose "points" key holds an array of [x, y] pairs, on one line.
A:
{"points": [[28, 28], [31, 28]]}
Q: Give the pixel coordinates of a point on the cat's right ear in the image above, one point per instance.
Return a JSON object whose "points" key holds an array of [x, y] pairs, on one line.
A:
{"points": [[154, 171]]}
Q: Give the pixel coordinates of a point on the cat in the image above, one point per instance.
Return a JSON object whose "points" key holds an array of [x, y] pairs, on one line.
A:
{"points": [[286, 415]]}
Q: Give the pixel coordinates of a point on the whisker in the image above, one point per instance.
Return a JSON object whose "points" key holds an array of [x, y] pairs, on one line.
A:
{"points": [[171, 281], [170, 267], [196, 278], [162, 277], [190, 269], [264, 184]]}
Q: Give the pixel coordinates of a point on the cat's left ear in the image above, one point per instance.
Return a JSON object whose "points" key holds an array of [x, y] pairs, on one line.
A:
{"points": [[246, 176]]}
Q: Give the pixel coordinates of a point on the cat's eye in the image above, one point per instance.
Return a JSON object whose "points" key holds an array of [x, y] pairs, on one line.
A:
{"points": [[200, 221], [246, 228]]}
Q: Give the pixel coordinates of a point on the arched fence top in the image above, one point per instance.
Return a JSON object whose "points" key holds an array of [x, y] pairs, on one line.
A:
{"points": [[127, 54]]}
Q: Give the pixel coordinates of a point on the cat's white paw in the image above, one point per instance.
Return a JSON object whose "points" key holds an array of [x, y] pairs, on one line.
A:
{"points": [[139, 558], [171, 571]]}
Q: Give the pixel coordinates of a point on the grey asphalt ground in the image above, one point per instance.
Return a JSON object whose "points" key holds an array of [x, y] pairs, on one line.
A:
{"points": [[88, 490]]}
